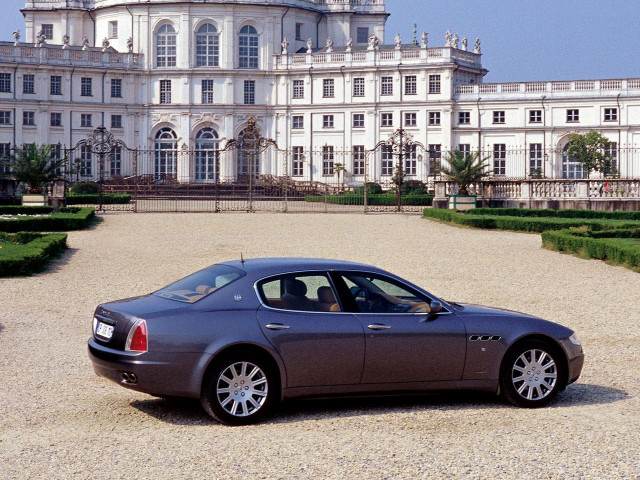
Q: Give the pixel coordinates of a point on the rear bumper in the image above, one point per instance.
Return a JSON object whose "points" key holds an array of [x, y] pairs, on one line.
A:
{"points": [[156, 373]]}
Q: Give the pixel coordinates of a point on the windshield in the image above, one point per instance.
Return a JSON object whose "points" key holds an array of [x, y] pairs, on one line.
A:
{"points": [[197, 286]]}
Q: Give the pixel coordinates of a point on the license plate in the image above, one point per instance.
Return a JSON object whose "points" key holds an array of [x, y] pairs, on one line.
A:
{"points": [[104, 330]]}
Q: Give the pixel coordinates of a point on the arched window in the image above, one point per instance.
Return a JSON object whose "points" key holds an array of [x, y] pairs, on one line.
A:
{"points": [[206, 153], [207, 46], [166, 154], [248, 50], [166, 41], [572, 168]]}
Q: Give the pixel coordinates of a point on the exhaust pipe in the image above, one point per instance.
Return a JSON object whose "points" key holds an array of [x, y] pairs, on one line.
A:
{"points": [[125, 377], [129, 378]]}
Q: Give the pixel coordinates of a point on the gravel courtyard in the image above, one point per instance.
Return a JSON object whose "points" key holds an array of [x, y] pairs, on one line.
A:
{"points": [[59, 420]]}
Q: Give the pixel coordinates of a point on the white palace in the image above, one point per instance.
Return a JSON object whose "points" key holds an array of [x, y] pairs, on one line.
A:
{"points": [[321, 78]]}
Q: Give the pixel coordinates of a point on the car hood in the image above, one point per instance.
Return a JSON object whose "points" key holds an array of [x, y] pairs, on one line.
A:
{"points": [[472, 309]]}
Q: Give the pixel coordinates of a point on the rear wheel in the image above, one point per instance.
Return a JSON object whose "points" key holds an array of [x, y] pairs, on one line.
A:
{"points": [[241, 389], [532, 374]]}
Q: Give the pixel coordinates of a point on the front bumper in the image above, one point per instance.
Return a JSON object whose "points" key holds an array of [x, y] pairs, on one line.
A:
{"points": [[575, 360], [157, 373]]}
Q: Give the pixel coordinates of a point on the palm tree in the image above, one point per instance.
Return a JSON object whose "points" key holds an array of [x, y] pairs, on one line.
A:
{"points": [[35, 166], [465, 169]]}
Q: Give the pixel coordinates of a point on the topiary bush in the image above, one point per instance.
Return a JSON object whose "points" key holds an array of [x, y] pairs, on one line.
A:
{"points": [[373, 200], [24, 253], [25, 210], [372, 189], [84, 187], [69, 218], [93, 198], [570, 213]]}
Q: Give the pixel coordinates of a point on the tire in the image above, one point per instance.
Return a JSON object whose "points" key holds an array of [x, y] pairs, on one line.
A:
{"points": [[529, 387], [242, 388]]}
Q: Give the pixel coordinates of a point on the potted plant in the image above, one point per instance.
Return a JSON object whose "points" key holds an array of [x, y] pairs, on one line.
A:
{"points": [[464, 169], [36, 167], [535, 173]]}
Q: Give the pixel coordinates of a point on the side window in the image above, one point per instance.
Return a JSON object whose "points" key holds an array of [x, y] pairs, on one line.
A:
{"points": [[379, 294], [306, 293]]}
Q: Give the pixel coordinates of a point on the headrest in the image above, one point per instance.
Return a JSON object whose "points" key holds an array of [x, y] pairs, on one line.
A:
{"points": [[325, 295], [295, 287]]}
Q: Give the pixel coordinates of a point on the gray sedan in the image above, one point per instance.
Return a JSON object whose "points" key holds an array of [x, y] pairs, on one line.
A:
{"points": [[243, 335]]}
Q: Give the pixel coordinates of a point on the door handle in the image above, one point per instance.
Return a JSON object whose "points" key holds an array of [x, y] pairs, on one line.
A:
{"points": [[378, 326], [277, 326]]}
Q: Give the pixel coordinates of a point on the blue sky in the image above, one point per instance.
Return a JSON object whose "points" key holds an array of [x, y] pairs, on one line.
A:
{"points": [[522, 40]]}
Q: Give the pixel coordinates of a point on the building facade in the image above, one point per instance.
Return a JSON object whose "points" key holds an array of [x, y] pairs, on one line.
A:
{"points": [[316, 75]]}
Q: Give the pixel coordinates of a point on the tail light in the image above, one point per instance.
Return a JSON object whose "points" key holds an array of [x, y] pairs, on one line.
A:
{"points": [[137, 340]]}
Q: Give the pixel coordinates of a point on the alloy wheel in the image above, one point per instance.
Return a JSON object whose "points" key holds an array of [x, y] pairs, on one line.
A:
{"points": [[534, 374], [242, 389]]}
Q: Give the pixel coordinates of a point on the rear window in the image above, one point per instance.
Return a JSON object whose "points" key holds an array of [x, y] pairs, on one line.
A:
{"points": [[197, 286]]}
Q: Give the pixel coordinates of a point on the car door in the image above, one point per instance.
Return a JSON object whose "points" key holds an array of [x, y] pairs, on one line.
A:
{"points": [[319, 343], [403, 342]]}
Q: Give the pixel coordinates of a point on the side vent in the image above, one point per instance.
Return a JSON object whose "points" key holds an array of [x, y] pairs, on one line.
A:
{"points": [[485, 338]]}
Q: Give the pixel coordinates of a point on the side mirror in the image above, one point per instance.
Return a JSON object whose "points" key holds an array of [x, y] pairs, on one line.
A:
{"points": [[436, 307]]}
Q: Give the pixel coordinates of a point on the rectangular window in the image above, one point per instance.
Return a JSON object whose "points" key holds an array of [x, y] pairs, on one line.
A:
{"points": [[29, 83], [56, 119], [573, 115], [358, 159], [535, 158], [5, 82], [299, 31], [434, 83], [5, 117], [610, 114], [298, 89], [113, 29], [56, 85], [47, 31], [464, 118], [297, 162], [358, 120], [434, 118], [386, 120], [387, 160], [498, 116], [410, 119], [56, 155], [86, 85], [116, 121], [327, 121], [611, 149], [116, 88], [327, 160], [362, 35], [410, 85], [410, 160], [499, 159], [29, 118], [386, 86], [115, 162], [85, 120], [86, 161], [465, 148], [435, 159], [249, 92], [535, 116], [297, 122], [358, 87], [328, 90], [207, 91], [165, 91], [5, 150]]}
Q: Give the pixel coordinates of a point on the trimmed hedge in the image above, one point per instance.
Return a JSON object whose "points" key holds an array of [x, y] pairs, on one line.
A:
{"points": [[69, 218], [34, 251], [569, 213], [25, 210], [373, 200], [607, 245], [92, 198]]}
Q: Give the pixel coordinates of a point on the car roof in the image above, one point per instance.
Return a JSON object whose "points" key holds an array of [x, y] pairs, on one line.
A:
{"points": [[277, 265]]}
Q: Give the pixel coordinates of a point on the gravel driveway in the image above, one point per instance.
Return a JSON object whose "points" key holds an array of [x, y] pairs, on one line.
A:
{"points": [[58, 420]]}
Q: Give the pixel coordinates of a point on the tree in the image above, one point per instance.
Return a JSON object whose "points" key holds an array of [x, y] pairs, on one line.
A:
{"points": [[592, 150], [35, 166], [465, 169]]}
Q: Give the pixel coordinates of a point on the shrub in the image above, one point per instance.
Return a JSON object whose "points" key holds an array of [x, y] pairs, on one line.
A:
{"points": [[84, 187], [25, 210], [373, 200], [33, 252], [570, 213], [69, 218], [93, 198], [372, 189]]}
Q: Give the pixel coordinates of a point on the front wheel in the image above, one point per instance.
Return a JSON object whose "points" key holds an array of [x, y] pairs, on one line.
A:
{"points": [[532, 374], [241, 390]]}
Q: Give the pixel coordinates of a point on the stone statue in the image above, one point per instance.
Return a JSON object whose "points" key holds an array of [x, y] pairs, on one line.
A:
{"points": [[40, 39], [85, 42], [309, 46], [477, 47], [65, 41], [398, 41], [105, 44], [349, 45], [448, 39], [130, 44], [456, 41], [372, 42], [285, 46], [465, 42], [329, 45], [16, 36], [424, 39]]}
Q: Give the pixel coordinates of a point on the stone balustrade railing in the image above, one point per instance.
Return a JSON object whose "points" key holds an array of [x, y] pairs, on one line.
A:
{"points": [[29, 54], [549, 88]]}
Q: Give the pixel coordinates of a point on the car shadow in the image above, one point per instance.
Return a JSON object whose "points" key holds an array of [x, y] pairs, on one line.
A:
{"points": [[1, 328], [179, 411]]}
